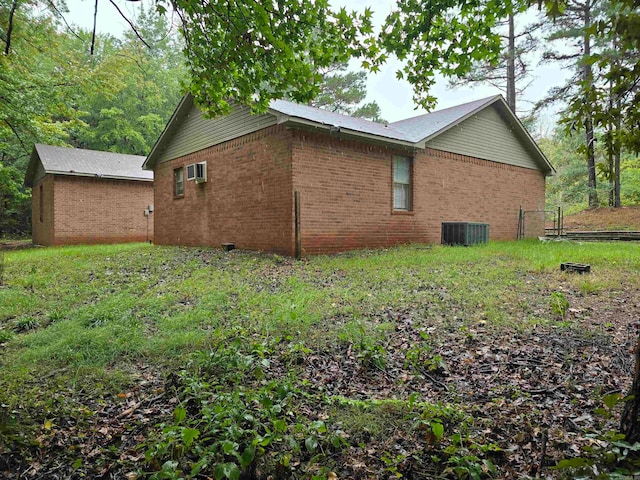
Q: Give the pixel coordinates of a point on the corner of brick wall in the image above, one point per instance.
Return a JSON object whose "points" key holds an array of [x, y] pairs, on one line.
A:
{"points": [[247, 199], [98, 210], [346, 194]]}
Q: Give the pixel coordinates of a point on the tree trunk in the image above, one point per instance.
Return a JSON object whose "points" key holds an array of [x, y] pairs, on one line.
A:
{"points": [[610, 147], [511, 65], [7, 45], [616, 174], [95, 19], [591, 162], [616, 159], [588, 122], [629, 424], [614, 162], [612, 198]]}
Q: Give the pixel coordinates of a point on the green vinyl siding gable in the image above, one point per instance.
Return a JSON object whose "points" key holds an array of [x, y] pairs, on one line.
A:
{"points": [[40, 173], [194, 132], [488, 136]]}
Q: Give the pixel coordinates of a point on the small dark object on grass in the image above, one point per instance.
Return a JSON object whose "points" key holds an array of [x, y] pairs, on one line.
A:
{"points": [[575, 267], [228, 246]]}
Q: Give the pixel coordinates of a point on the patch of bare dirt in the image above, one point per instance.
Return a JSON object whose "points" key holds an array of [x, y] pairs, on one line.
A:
{"points": [[623, 218]]}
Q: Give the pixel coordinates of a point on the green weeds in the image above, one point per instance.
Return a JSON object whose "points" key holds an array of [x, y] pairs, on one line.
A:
{"points": [[238, 337], [608, 455], [231, 423], [559, 304]]}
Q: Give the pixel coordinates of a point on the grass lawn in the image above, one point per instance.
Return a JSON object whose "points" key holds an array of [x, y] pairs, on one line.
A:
{"points": [[138, 361]]}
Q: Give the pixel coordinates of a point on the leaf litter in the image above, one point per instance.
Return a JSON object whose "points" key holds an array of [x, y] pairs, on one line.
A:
{"points": [[529, 389]]}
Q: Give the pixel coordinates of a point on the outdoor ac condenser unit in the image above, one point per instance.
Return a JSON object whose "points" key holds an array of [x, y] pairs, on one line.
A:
{"points": [[201, 172], [464, 233]]}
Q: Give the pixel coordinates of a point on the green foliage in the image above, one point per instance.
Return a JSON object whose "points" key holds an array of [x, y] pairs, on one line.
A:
{"points": [[5, 336], [470, 466], [568, 188], [15, 203], [251, 53], [419, 356], [619, 69], [368, 351], [600, 99], [26, 324], [630, 182], [448, 37], [144, 86], [235, 424], [371, 355], [511, 71], [559, 304], [343, 92], [216, 332], [39, 80], [55, 92], [608, 455]]}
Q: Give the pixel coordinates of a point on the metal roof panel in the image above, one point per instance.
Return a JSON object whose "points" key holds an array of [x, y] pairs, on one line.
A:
{"points": [[427, 125]]}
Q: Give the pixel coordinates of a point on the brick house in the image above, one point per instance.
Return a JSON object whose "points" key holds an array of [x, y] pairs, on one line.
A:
{"points": [[85, 196], [361, 184]]}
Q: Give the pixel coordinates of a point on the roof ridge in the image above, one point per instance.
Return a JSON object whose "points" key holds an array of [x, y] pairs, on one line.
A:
{"points": [[480, 101], [88, 150]]}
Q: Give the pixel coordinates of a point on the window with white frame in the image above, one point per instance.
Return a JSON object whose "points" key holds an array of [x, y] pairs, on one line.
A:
{"points": [[191, 171], [178, 182], [402, 182]]}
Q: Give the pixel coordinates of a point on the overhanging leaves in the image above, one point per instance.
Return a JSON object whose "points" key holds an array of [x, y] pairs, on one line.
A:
{"points": [[251, 52]]}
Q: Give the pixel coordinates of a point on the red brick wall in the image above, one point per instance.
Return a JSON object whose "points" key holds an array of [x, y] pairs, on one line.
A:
{"points": [[460, 188], [346, 194], [99, 210], [42, 231], [247, 199]]}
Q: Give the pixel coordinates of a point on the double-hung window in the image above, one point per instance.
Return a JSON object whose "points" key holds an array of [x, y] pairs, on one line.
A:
{"points": [[402, 182], [178, 182]]}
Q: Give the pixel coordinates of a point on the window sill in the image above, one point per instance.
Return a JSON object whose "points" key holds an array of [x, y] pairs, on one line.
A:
{"points": [[178, 197], [402, 212]]}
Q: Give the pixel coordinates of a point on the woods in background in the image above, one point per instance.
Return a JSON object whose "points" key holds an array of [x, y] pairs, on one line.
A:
{"points": [[61, 85]]}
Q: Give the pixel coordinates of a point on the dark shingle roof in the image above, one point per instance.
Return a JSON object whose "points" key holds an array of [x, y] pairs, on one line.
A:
{"points": [[89, 163]]}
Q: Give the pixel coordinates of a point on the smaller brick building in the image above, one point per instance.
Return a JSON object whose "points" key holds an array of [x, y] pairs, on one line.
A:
{"points": [[358, 184], [86, 196]]}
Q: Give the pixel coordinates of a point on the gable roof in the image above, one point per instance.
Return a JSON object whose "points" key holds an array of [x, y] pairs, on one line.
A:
{"points": [[296, 113], [413, 132], [424, 127], [84, 163]]}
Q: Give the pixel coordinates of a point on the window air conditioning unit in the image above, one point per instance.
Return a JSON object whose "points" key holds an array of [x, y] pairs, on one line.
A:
{"points": [[191, 171], [201, 172]]}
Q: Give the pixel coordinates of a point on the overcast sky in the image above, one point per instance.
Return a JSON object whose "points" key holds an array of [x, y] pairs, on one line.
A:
{"points": [[394, 96]]}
